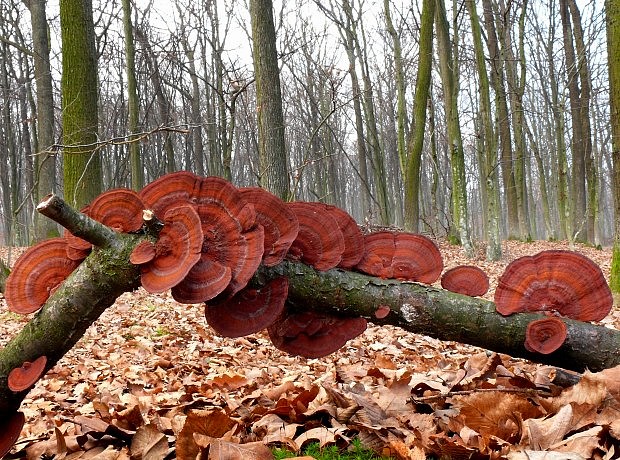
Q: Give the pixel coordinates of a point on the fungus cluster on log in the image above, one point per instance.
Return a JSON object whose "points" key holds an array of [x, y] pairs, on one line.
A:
{"points": [[556, 283], [204, 239]]}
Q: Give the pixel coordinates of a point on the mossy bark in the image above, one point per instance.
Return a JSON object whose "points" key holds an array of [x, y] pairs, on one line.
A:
{"points": [[81, 299], [441, 314]]}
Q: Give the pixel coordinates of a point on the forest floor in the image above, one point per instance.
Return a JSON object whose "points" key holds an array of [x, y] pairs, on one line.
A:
{"points": [[151, 380]]}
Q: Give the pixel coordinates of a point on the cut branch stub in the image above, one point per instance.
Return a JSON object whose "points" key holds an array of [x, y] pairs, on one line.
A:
{"points": [[313, 335], [120, 209], [319, 242], [353, 237], [77, 246], [249, 311], [562, 282], [177, 250], [278, 221], [22, 378], [545, 335], [40, 270], [466, 279], [400, 255], [10, 428]]}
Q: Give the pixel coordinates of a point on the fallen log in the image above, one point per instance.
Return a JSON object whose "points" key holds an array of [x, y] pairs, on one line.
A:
{"points": [[107, 272]]}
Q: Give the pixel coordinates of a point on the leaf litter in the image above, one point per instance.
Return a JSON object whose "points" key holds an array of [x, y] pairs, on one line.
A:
{"points": [[150, 380]]}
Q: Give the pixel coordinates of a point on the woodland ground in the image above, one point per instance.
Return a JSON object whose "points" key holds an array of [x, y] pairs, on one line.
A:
{"points": [[152, 366]]}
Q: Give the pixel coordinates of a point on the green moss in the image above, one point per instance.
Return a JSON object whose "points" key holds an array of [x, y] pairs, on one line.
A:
{"points": [[614, 279], [356, 451]]}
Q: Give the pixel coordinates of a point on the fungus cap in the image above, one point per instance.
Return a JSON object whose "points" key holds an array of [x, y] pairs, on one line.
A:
{"points": [[143, 253], [545, 335], [248, 311], [352, 235], [177, 250], [313, 335], [10, 429], [120, 209], [279, 222], [36, 274], [319, 242], [22, 378], [401, 255], [466, 279], [169, 191], [563, 282]]}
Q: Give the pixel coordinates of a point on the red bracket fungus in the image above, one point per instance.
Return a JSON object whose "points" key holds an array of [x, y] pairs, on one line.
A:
{"points": [[320, 242], [545, 335], [248, 311], [177, 249], [10, 429], [466, 279], [120, 209], [36, 274], [278, 221], [401, 255], [353, 237], [143, 253], [555, 281], [313, 335], [22, 378], [232, 245], [169, 191]]}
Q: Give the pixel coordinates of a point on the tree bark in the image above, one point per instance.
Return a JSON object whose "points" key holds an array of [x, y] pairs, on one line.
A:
{"points": [[82, 161], [422, 91], [487, 137], [271, 146], [448, 68], [45, 160], [441, 314], [135, 160], [612, 9]]}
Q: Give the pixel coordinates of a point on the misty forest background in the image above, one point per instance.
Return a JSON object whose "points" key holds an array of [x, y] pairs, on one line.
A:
{"points": [[473, 121]]}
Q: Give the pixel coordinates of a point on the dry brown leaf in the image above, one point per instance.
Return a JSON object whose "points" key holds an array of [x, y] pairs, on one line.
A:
{"points": [[322, 435], [148, 444], [583, 443], [216, 449], [493, 413], [212, 423]]}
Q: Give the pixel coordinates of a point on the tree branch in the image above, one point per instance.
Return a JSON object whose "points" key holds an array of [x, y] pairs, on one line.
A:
{"points": [[441, 314]]}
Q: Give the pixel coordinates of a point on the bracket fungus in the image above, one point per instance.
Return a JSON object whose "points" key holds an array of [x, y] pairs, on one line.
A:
{"points": [[36, 274], [169, 191], [177, 249], [319, 242], [401, 255], [352, 235], [143, 253], [466, 279], [10, 429], [545, 335], [313, 335], [278, 221], [120, 209], [248, 311], [22, 378], [555, 281], [230, 255], [232, 242]]}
